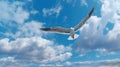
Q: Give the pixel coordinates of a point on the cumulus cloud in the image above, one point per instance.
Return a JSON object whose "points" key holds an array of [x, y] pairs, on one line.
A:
{"points": [[13, 12], [92, 34], [34, 49], [23, 42], [7, 59], [52, 11], [29, 29]]}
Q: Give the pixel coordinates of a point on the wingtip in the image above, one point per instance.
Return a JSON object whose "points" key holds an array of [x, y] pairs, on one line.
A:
{"points": [[92, 10], [40, 28], [45, 29]]}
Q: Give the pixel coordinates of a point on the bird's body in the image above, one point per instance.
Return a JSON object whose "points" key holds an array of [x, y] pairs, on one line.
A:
{"points": [[69, 30]]}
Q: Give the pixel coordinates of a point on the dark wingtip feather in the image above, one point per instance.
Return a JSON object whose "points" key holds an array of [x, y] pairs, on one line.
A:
{"points": [[45, 29], [91, 12]]}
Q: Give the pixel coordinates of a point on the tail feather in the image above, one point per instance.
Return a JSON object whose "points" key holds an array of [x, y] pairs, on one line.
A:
{"points": [[75, 37]]}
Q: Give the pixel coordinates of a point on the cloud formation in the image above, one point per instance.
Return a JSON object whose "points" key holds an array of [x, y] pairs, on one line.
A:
{"points": [[34, 49], [99, 63], [52, 11], [92, 35], [13, 12], [23, 42]]}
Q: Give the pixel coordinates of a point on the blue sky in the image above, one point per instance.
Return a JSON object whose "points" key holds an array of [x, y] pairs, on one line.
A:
{"points": [[23, 44]]}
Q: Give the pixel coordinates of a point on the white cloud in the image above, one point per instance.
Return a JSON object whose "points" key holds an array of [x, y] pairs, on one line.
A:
{"points": [[23, 42], [34, 12], [34, 49], [83, 2], [27, 29], [13, 12], [52, 11], [20, 16], [7, 59], [74, 2], [112, 13], [91, 35], [28, 46], [99, 63]]}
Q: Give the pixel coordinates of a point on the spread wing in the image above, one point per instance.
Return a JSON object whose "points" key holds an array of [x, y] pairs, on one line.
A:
{"points": [[56, 29], [83, 21]]}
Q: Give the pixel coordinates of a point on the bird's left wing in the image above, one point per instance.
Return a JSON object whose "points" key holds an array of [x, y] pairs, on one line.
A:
{"points": [[56, 29], [83, 21]]}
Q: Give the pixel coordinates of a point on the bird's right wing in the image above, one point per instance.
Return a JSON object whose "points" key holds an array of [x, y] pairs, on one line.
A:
{"points": [[83, 21], [56, 29]]}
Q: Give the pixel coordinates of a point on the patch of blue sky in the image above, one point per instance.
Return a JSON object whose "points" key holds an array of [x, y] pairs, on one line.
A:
{"points": [[94, 56], [109, 26], [68, 17], [71, 14]]}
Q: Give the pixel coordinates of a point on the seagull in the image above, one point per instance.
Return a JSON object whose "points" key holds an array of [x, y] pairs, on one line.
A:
{"points": [[70, 31]]}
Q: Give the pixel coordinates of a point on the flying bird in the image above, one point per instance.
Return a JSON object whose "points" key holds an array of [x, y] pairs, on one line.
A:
{"points": [[70, 31]]}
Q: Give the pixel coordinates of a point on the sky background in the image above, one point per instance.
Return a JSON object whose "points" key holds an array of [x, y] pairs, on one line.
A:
{"points": [[22, 44]]}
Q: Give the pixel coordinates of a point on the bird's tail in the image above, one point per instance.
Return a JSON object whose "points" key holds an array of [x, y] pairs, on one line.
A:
{"points": [[75, 36]]}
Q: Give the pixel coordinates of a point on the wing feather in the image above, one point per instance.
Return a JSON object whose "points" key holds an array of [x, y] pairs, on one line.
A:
{"points": [[56, 29], [83, 21]]}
